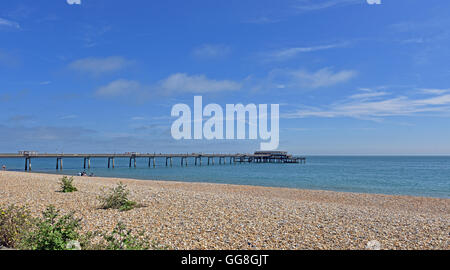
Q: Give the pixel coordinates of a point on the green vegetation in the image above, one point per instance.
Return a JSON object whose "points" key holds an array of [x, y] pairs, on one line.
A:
{"points": [[117, 198], [14, 222], [67, 185], [53, 231]]}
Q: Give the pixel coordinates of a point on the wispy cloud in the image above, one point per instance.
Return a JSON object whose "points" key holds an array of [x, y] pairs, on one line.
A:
{"points": [[93, 34], [303, 78], [9, 24], [261, 20], [211, 51], [311, 5], [174, 84], [68, 117], [295, 80], [434, 91], [74, 2], [99, 66], [182, 82], [289, 53], [376, 105], [20, 118], [120, 88]]}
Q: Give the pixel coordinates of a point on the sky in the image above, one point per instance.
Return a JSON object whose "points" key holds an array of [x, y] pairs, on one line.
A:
{"points": [[352, 77]]}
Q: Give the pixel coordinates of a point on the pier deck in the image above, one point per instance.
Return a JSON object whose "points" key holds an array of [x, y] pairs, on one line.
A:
{"points": [[257, 157]]}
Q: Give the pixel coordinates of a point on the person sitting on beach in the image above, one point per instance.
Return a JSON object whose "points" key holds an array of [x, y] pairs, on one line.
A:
{"points": [[4, 167]]}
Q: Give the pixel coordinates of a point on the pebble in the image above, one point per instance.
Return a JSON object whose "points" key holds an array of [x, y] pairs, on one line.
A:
{"points": [[216, 216]]}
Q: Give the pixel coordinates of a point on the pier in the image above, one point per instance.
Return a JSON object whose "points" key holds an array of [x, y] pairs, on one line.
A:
{"points": [[185, 159]]}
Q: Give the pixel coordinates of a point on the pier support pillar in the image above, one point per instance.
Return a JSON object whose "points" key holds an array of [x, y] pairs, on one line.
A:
{"points": [[27, 164], [134, 161], [59, 164], [110, 160]]}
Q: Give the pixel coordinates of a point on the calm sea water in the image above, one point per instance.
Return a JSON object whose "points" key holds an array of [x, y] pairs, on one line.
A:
{"points": [[412, 175]]}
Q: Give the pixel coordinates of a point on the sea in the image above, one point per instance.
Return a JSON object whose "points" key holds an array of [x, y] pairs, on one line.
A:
{"points": [[427, 176]]}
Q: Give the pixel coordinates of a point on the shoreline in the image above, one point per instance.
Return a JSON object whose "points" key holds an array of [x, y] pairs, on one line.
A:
{"points": [[237, 185], [198, 215]]}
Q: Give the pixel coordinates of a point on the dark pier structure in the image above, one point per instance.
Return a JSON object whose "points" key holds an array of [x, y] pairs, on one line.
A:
{"points": [[195, 158]]}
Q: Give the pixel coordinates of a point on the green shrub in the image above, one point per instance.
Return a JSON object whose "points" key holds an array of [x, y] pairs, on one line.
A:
{"points": [[14, 222], [67, 185], [117, 198], [52, 232]]}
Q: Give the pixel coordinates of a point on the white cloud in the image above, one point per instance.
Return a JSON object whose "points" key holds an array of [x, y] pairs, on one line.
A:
{"points": [[176, 83], [321, 78], [211, 51], [298, 79], [99, 65], [119, 88], [8, 23], [376, 105], [181, 82], [74, 2], [289, 53], [371, 2], [365, 96], [435, 91]]}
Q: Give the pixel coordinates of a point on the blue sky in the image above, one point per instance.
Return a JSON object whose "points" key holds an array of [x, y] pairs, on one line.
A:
{"points": [[103, 75]]}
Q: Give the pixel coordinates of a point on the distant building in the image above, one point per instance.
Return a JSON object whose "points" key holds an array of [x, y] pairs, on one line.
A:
{"points": [[271, 153], [132, 153], [28, 152]]}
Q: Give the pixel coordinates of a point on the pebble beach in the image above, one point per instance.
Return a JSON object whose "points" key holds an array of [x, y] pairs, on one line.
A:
{"points": [[217, 216]]}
